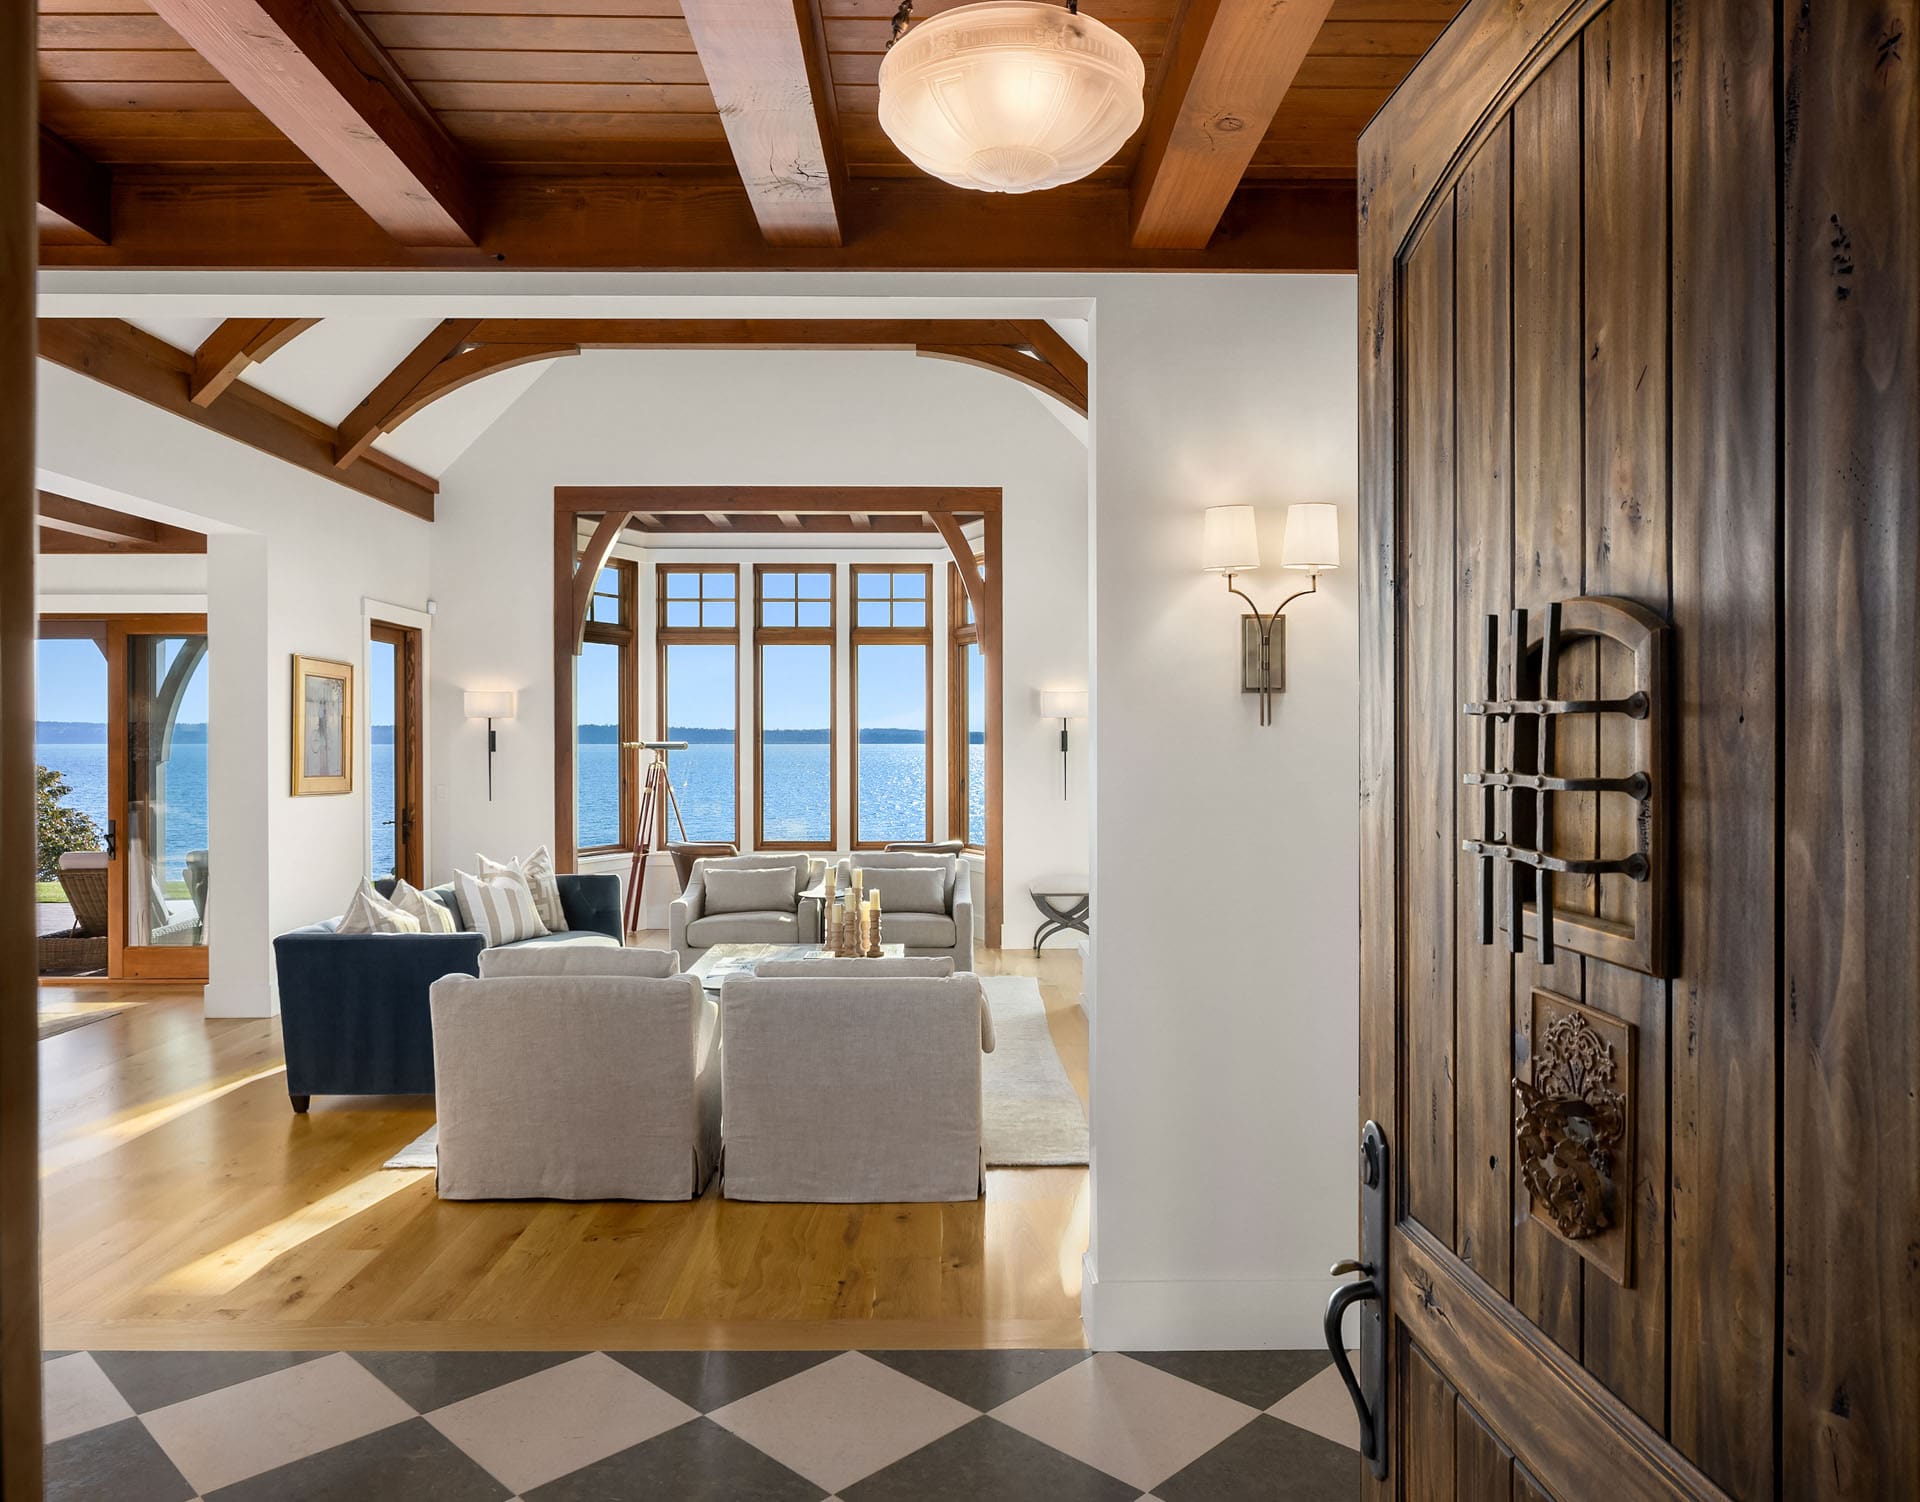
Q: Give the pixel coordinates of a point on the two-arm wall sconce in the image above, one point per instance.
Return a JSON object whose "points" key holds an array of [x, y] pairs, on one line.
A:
{"points": [[1232, 546], [490, 705], [1063, 704]]}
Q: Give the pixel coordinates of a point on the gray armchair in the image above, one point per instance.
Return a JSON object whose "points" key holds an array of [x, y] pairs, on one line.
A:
{"points": [[693, 928], [929, 934]]}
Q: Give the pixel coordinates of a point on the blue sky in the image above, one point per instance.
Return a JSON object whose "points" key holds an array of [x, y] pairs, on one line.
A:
{"points": [[72, 685]]}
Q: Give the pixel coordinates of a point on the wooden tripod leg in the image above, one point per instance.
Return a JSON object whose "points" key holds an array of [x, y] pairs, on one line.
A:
{"points": [[642, 848]]}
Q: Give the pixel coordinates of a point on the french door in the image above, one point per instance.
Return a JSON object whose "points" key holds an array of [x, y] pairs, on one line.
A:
{"points": [[395, 707], [1640, 431]]}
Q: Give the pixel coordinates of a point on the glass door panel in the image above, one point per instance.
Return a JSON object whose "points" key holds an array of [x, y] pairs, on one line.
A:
{"points": [[162, 846]]}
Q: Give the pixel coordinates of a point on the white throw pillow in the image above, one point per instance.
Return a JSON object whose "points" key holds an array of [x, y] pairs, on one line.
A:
{"points": [[537, 871], [908, 889], [433, 916], [501, 906], [749, 889], [370, 913]]}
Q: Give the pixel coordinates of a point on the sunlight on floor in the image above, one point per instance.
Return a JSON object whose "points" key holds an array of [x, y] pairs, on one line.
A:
{"points": [[110, 1135]]}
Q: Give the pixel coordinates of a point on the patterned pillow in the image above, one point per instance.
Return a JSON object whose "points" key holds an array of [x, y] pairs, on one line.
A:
{"points": [[434, 918], [537, 871], [501, 906], [370, 913]]}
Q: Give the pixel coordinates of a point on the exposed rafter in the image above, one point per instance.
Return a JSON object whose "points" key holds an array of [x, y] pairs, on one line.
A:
{"points": [[810, 524], [71, 526], [132, 361], [75, 189], [765, 61], [238, 342], [1233, 61], [315, 71], [371, 418]]}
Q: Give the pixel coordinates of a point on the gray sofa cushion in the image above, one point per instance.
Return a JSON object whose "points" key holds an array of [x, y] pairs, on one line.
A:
{"points": [[744, 928], [929, 967], [749, 889], [908, 889], [916, 930], [583, 938], [537, 957]]}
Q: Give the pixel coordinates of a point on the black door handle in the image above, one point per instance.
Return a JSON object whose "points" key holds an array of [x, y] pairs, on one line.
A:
{"points": [[112, 843], [1344, 1297], [1369, 1389]]}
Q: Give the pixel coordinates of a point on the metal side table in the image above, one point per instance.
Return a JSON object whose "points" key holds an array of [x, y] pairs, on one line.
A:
{"points": [[1065, 906]]}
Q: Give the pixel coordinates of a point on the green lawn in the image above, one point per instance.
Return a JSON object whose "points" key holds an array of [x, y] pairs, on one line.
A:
{"points": [[49, 891]]}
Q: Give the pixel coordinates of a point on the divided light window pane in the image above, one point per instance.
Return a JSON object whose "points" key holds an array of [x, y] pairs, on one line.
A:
{"points": [[702, 708], [891, 715], [606, 597], [597, 746], [796, 753]]}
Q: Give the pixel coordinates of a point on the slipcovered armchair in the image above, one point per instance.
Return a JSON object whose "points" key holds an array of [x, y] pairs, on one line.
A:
{"points": [[935, 927], [695, 922], [576, 1087], [842, 1089]]}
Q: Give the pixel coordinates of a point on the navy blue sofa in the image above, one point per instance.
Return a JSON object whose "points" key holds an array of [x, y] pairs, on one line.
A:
{"points": [[353, 1007]]}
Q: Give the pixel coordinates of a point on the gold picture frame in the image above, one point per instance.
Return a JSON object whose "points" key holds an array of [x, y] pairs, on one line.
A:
{"points": [[322, 750]]}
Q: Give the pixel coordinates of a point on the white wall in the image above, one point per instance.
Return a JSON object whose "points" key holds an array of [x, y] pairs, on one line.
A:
{"points": [[1225, 865], [290, 558], [759, 418]]}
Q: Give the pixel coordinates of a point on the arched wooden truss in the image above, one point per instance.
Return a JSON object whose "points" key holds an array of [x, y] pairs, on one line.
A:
{"points": [[461, 351]]}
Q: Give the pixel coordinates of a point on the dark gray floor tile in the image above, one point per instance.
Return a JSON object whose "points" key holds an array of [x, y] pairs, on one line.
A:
{"points": [[413, 1461], [707, 1380], [121, 1461], [56, 1355], [1257, 1378], [153, 1379], [987, 1459], [983, 1379], [695, 1462], [1268, 1461], [434, 1379]]}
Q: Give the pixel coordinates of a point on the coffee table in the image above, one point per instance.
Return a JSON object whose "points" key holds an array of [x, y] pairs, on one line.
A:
{"points": [[723, 960]]}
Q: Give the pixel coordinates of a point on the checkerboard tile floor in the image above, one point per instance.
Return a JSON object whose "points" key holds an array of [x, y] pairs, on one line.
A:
{"points": [[723, 1426]]}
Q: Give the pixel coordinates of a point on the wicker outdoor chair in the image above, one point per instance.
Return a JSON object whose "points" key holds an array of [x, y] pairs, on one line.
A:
{"points": [[83, 877]]}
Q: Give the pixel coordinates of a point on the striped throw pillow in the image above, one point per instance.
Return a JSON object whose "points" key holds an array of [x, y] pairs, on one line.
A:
{"points": [[537, 871], [434, 918], [500, 906], [370, 913]]}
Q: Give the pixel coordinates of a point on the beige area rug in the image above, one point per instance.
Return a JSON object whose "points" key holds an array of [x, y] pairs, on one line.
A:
{"points": [[1031, 1116], [52, 1024]]}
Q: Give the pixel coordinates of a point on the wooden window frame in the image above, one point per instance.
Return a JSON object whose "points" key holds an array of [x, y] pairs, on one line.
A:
{"points": [[962, 633], [665, 636], [624, 637], [891, 636], [795, 636]]}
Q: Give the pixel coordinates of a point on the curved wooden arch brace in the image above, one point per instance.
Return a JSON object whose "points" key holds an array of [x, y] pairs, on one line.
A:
{"points": [[367, 421], [587, 569], [1006, 360], [224, 355]]}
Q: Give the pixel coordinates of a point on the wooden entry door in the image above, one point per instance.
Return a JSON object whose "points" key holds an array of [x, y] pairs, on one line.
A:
{"points": [[1640, 325]]}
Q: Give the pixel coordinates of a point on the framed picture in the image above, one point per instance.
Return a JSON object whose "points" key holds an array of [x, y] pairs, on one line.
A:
{"points": [[322, 726]]}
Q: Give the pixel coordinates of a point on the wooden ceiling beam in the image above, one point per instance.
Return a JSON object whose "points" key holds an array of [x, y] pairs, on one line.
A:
{"points": [[1231, 65], [75, 188], [314, 69], [370, 418], [766, 63], [811, 525], [133, 361], [877, 501], [750, 333], [238, 342], [72, 526], [1029, 370]]}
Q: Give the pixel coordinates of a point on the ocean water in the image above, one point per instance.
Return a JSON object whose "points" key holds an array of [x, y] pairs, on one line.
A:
{"points": [[893, 792], [85, 769]]}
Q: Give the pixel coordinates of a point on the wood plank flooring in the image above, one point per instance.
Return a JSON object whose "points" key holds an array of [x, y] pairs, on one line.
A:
{"points": [[185, 1206]]}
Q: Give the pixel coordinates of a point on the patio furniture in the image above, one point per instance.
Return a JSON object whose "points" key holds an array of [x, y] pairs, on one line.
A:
{"points": [[82, 875]]}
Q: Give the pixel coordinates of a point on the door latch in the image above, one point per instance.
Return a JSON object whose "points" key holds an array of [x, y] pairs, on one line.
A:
{"points": [[1369, 1389]]}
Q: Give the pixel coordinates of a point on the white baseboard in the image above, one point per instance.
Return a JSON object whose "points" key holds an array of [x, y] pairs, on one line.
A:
{"points": [[1204, 1315]]}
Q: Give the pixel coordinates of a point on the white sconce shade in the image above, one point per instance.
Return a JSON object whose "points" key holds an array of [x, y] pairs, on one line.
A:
{"points": [[1231, 544], [1312, 542], [490, 704], [1011, 96], [1063, 703]]}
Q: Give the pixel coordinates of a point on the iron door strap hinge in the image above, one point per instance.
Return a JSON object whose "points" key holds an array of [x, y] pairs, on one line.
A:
{"points": [[1368, 1389]]}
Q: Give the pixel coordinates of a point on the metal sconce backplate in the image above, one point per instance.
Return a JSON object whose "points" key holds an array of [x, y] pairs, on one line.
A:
{"points": [[1252, 677]]}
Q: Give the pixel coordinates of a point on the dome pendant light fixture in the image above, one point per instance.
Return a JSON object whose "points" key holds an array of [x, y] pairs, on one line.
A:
{"points": [[1010, 96]]}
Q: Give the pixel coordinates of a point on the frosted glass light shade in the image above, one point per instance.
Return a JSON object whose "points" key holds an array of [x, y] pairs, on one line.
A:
{"points": [[1011, 96], [1063, 703], [490, 704], [1313, 537], [1231, 542]]}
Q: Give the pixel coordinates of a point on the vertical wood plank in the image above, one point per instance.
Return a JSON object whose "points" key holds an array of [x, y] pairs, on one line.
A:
{"points": [[1428, 833], [1483, 1119], [1482, 1466], [1627, 535], [1850, 1383], [1548, 546], [1526, 1489], [1725, 500], [1428, 1457], [20, 1454]]}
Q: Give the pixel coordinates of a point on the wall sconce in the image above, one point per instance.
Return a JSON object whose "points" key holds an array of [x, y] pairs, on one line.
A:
{"points": [[1063, 704], [490, 705], [1231, 546]]}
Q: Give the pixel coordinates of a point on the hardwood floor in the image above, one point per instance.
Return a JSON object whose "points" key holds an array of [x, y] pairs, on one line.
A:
{"points": [[185, 1206]]}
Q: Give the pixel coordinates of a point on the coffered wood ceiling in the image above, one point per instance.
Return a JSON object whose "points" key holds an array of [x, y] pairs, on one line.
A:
{"points": [[613, 133]]}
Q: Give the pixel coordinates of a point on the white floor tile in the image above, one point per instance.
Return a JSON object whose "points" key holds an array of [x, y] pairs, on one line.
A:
{"points": [[77, 1396], [1322, 1406]]}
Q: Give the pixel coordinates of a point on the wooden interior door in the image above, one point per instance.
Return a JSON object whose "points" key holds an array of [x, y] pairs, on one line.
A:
{"points": [[1640, 323]]}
